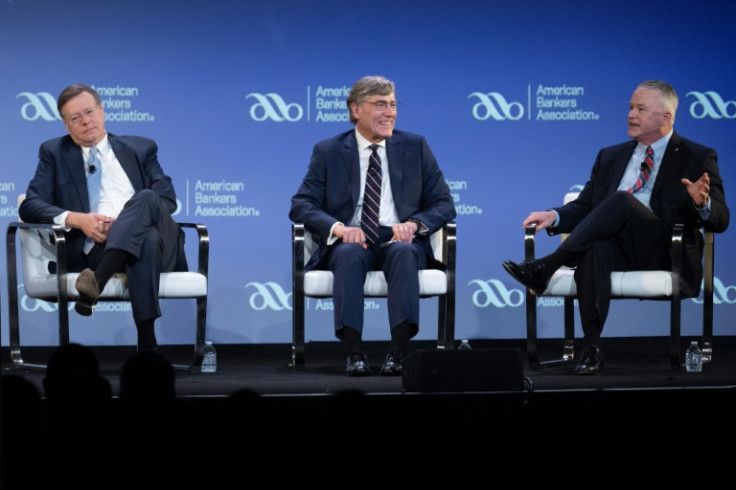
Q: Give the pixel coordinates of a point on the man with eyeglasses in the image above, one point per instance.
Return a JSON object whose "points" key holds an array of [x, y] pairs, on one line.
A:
{"points": [[362, 223], [115, 201]]}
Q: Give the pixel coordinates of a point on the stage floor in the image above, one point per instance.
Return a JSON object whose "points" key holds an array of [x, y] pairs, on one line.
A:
{"points": [[640, 363]]}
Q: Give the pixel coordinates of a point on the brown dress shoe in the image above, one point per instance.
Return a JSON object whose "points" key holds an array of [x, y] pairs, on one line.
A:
{"points": [[89, 292]]}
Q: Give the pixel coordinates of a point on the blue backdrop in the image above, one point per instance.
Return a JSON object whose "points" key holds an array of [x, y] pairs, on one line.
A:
{"points": [[515, 99]]}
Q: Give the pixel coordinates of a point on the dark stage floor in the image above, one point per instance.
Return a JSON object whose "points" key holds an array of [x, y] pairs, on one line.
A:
{"points": [[631, 364], [634, 417], [640, 363]]}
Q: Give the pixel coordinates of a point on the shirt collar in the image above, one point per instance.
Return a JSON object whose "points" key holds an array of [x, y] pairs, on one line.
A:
{"points": [[103, 146], [364, 143], [658, 146]]}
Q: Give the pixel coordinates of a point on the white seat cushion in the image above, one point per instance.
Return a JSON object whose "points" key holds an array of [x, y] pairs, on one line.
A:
{"points": [[171, 285], [38, 283], [432, 282], [639, 284]]}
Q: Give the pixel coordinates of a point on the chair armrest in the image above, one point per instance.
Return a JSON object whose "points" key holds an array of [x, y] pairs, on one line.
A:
{"points": [[57, 240], [530, 233], [449, 245], [203, 246], [297, 254], [676, 250]]}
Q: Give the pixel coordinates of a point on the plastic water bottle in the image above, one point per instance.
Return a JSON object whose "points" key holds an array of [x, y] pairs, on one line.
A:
{"points": [[464, 345], [693, 358], [209, 362]]}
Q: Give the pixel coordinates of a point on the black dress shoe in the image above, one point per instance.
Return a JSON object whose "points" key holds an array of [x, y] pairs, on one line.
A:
{"points": [[532, 274], [392, 365], [591, 361], [357, 365]]}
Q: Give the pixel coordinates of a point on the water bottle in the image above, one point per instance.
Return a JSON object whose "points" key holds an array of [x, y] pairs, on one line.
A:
{"points": [[464, 345], [693, 358], [209, 362]]}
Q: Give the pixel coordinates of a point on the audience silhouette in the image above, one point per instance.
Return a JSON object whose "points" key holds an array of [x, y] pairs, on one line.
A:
{"points": [[81, 433]]}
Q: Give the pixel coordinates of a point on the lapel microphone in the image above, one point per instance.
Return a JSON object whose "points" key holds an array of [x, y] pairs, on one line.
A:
{"points": [[92, 169]]}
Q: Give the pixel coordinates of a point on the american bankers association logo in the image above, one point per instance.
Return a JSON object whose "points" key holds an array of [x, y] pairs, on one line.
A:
{"points": [[272, 106], [544, 103], [117, 101], [710, 104], [494, 105], [38, 106], [269, 295], [323, 104]]}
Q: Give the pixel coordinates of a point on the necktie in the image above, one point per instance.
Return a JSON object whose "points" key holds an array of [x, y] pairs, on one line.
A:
{"points": [[372, 197], [94, 182], [646, 169]]}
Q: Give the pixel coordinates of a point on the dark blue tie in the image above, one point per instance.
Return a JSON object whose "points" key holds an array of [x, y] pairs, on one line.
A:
{"points": [[372, 197]]}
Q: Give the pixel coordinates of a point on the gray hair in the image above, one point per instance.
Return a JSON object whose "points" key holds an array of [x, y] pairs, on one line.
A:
{"points": [[365, 87], [669, 96]]}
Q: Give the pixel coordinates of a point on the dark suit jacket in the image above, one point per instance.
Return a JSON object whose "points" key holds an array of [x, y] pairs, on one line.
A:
{"points": [[330, 190], [669, 201], [60, 184]]}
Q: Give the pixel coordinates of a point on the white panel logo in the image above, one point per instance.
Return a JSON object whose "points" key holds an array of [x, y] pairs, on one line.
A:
{"points": [[272, 106], [494, 105], [269, 295], [711, 104], [41, 105]]}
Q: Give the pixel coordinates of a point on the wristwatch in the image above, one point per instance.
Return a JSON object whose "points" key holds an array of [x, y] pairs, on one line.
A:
{"points": [[416, 222]]}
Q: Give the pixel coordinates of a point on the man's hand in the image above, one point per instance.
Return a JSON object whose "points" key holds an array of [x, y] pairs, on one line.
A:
{"points": [[350, 234], [543, 219], [404, 232], [698, 190], [94, 225]]}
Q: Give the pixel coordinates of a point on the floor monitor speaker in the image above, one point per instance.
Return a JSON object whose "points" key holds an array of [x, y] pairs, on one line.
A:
{"points": [[436, 370]]}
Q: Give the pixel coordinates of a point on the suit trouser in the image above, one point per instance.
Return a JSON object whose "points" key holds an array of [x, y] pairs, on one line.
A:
{"points": [[400, 262], [146, 230], [619, 234]]}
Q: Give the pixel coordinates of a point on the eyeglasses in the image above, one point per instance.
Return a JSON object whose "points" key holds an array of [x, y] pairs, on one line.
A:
{"points": [[77, 119], [382, 105]]}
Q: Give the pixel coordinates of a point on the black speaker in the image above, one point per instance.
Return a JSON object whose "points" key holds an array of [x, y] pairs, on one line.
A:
{"points": [[464, 370]]}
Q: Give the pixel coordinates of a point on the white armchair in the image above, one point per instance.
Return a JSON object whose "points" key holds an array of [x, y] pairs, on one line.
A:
{"points": [[41, 244], [643, 285], [318, 284]]}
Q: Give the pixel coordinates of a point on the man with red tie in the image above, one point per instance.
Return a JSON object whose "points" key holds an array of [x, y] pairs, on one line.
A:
{"points": [[624, 216]]}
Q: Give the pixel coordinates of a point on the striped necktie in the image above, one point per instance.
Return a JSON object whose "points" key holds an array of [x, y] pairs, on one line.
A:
{"points": [[646, 170], [372, 197]]}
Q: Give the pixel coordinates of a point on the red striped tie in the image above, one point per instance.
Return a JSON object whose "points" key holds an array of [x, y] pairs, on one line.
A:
{"points": [[372, 197], [646, 170]]}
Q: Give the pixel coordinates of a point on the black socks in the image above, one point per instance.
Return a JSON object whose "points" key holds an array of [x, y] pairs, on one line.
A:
{"points": [[353, 340], [400, 335], [112, 261], [146, 336], [557, 259]]}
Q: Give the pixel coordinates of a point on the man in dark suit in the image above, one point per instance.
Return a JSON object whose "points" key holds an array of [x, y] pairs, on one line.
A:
{"points": [[335, 203], [115, 201], [624, 216]]}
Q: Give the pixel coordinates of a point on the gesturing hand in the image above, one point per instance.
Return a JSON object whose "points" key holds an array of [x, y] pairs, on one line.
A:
{"points": [[698, 190]]}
